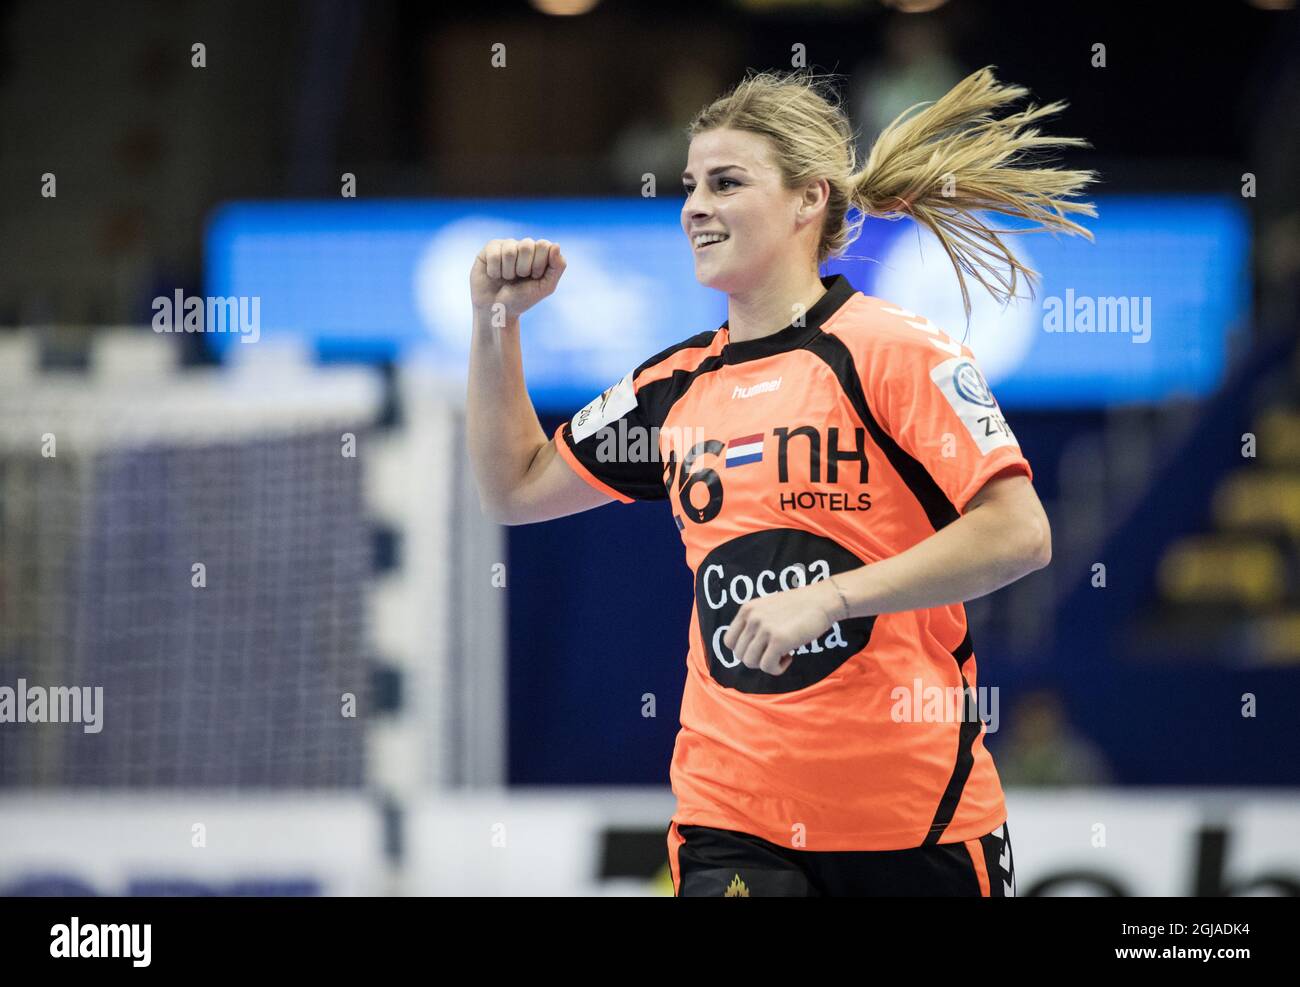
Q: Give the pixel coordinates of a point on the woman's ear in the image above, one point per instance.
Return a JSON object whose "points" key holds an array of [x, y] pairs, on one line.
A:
{"points": [[814, 195], [817, 194]]}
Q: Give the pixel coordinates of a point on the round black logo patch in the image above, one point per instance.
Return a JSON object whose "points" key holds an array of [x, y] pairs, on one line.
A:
{"points": [[760, 564]]}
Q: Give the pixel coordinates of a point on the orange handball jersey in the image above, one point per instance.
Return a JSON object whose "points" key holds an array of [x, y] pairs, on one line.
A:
{"points": [[823, 447]]}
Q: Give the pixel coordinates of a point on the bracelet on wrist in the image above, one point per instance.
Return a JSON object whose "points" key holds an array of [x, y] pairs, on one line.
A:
{"points": [[844, 603]]}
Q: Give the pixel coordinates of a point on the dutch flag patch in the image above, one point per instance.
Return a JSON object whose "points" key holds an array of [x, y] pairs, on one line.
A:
{"points": [[746, 449]]}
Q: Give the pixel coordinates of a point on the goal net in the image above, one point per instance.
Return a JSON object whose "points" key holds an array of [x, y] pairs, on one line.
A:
{"points": [[183, 566]]}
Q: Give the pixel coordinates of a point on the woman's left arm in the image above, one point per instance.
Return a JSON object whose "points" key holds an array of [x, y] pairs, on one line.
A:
{"points": [[1002, 535]]}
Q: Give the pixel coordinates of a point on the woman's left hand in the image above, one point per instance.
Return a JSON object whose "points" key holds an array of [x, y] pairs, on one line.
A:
{"points": [[768, 628]]}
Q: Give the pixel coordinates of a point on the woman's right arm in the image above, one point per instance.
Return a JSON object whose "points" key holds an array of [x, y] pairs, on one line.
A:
{"points": [[521, 476]]}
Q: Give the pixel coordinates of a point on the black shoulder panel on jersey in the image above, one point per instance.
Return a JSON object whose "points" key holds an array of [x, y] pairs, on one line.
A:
{"points": [[700, 340], [938, 508], [658, 397]]}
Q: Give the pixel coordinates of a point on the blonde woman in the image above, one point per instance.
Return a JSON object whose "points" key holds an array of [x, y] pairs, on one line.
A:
{"points": [[840, 475]]}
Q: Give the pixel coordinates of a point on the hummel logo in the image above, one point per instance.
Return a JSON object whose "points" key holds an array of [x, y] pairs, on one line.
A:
{"points": [[749, 392]]}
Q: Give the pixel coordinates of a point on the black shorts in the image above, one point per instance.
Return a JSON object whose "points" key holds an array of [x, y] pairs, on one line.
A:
{"points": [[712, 863]]}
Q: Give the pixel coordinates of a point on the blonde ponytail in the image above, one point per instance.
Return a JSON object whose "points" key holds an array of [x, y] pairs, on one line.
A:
{"points": [[954, 159]]}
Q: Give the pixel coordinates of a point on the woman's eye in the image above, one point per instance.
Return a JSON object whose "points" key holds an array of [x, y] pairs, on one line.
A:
{"points": [[688, 189]]}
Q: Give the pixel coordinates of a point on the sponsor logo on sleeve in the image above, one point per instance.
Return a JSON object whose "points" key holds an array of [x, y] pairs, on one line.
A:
{"points": [[966, 390], [613, 403]]}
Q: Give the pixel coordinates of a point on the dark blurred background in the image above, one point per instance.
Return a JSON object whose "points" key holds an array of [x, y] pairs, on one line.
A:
{"points": [[403, 96]]}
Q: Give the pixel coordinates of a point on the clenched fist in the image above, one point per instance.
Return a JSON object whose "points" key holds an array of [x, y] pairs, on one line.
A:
{"points": [[514, 273]]}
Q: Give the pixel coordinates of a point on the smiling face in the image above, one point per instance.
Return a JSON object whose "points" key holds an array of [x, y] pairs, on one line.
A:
{"points": [[733, 187]]}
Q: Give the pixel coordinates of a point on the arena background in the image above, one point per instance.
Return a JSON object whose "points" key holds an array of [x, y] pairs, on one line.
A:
{"points": [[323, 672]]}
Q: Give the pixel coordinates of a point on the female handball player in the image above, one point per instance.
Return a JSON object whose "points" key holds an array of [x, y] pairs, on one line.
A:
{"points": [[840, 475]]}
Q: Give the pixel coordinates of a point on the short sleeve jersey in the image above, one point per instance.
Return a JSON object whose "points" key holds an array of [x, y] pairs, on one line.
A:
{"points": [[843, 439]]}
